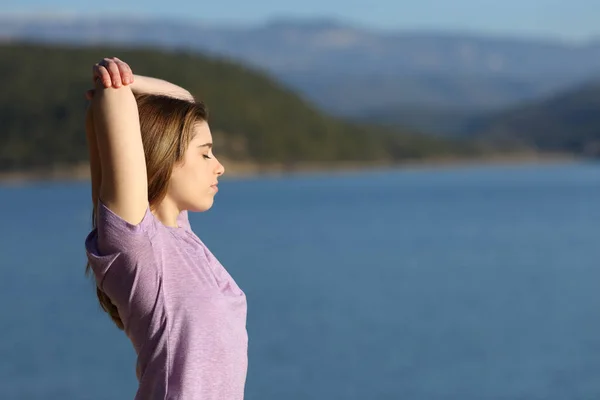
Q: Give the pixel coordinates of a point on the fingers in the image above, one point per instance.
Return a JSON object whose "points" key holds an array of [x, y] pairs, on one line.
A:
{"points": [[110, 72], [115, 74], [125, 70]]}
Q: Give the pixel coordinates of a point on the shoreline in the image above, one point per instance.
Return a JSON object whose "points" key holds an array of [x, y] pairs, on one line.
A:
{"points": [[240, 170]]}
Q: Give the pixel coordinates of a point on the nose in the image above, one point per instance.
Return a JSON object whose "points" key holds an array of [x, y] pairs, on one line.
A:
{"points": [[220, 169]]}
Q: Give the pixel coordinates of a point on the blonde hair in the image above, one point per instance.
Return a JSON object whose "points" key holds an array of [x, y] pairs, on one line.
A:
{"points": [[167, 127]]}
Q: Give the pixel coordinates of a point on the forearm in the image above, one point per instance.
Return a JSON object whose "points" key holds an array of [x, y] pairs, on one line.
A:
{"points": [[148, 85]]}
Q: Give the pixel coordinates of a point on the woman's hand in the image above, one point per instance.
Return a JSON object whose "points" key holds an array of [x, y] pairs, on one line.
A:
{"points": [[110, 72]]}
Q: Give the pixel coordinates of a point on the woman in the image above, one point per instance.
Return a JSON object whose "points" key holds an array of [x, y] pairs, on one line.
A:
{"points": [[151, 161]]}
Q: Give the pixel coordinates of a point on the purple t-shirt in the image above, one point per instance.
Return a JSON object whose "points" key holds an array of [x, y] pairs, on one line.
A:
{"points": [[183, 312]]}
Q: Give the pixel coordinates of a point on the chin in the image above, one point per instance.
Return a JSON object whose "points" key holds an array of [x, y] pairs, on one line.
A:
{"points": [[203, 206]]}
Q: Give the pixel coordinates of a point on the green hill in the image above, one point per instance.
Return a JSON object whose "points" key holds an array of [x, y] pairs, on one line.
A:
{"points": [[253, 117], [568, 122]]}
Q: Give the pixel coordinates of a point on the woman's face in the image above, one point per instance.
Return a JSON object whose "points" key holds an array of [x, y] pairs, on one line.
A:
{"points": [[193, 183]]}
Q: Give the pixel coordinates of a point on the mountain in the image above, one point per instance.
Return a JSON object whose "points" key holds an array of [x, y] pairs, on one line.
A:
{"points": [[348, 70], [566, 122], [253, 118]]}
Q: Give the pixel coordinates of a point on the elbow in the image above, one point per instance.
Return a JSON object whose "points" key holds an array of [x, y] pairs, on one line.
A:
{"points": [[188, 97]]}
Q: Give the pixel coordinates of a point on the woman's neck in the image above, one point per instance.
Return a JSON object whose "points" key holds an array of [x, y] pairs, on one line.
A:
{"points": [[167, 213]]}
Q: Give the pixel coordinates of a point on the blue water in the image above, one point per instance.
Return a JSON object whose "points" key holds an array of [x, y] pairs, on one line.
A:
{"points": [[467, 284]]}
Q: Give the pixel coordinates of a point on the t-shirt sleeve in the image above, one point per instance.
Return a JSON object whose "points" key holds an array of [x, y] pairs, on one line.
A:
{"points": [[122, 260]]}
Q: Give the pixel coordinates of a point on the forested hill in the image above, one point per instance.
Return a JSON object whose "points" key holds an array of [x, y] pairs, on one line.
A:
{"points": [[253, 117], [568, 122]]}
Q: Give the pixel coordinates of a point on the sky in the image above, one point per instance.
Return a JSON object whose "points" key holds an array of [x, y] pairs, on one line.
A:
{"points": [[572, 20]]}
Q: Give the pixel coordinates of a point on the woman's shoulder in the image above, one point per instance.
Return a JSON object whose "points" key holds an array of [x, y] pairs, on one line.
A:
{"points": [[112, 223], [112, 234], [115, 241]]}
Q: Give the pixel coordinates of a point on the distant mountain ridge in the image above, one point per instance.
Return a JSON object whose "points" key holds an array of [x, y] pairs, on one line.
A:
{"points": [[349, 70], [288, 45]]}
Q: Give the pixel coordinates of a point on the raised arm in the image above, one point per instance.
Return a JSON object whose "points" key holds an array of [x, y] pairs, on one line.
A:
{"points": [[123, 187], [147, 85], [114, 73]]}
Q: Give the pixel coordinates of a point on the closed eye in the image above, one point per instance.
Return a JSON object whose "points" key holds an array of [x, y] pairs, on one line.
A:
{"points": [[206, 156]]}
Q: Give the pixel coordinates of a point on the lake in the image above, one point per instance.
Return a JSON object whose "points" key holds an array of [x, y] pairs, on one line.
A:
{"points": [[467, 283]]}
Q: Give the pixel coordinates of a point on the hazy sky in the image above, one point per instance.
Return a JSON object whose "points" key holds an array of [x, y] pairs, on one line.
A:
{"points": [[568, 19]]}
